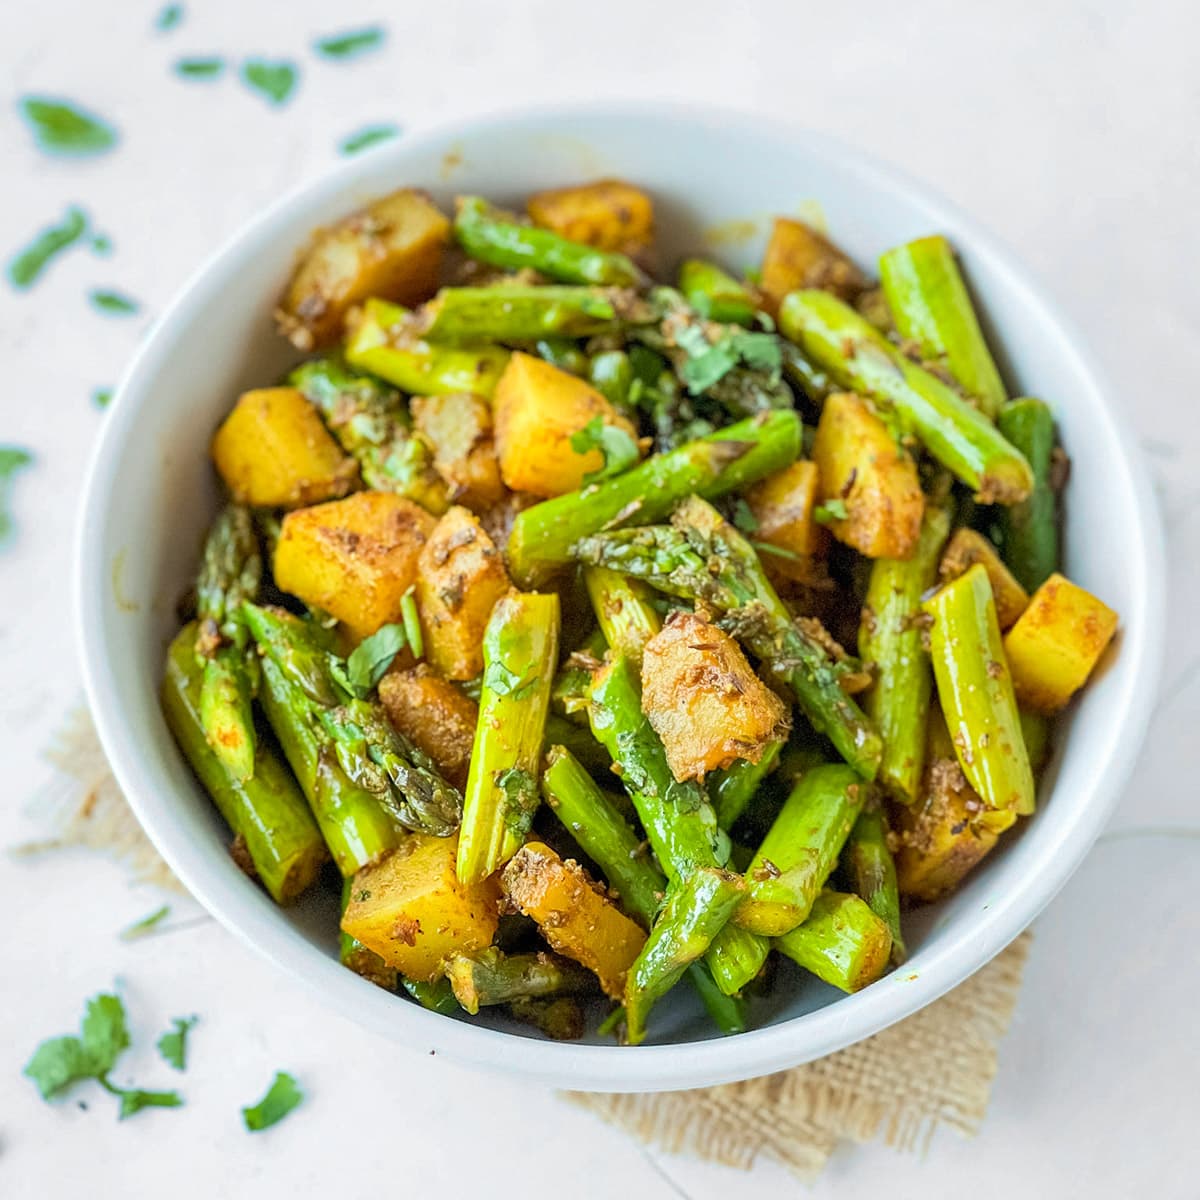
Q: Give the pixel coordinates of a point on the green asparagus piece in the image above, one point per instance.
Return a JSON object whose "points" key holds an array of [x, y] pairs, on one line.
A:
{"points": [[230, 572], [488, 236], [801, 850], [728, 1013], [890, 640], [1030, 529], [843, 942], [623, 609], [382, 344], [558, 1017], [359, 959], [516, 312], [542, 536], [520, 655], [1035, 733], [715, 294], [493, 977], [611, 374], [265, 810], [438, 996], [930, 306], [867, 862], [733, 787], [371, 423], [701, 557], [578, 739], [736, 957], [564, 354], [976, 693], [697, 909], [859, 357]]}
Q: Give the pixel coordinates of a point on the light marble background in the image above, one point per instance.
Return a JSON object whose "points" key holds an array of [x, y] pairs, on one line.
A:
{"points": [[1068, 128]]}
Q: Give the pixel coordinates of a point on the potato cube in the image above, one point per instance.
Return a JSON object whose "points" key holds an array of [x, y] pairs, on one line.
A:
{"points": [[609, 214], [1056, 643], [860, 464], [273, 451], [354, 558], [704, 699], [968, 547], [434, 715], [538, 410], [782, 505], [460, 576], [411, 909], [799, 257], [574, 914], [459, 427]]}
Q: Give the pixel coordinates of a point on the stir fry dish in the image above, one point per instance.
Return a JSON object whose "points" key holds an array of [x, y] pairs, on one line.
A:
{"points": [[608, 635]]}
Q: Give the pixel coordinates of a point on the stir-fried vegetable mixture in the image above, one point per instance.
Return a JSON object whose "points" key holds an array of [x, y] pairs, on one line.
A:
{"points": [[603, 632]]}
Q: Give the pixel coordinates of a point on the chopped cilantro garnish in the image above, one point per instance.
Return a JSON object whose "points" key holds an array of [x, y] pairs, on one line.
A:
{"points": [[369, 661], [830, 511], [618, 447], [282, 1096], [349, 45], [173, 1044], [146, 925], [62, 127]]}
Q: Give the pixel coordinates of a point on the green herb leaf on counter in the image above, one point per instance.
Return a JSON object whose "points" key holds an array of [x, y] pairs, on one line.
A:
{"points": [[369, 135], [112, 303], [199, 68], [282, 1096], [173, 1044], [351, 44], [274, 80], [101, 244], [12, 459], [102, 397], [62, 127], [619, 448], [168, 17], [147, 924], [370, 659], [29, 263], [133, 1100]]}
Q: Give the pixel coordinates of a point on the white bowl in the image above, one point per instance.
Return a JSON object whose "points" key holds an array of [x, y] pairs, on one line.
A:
{"points": [[151, 493]]}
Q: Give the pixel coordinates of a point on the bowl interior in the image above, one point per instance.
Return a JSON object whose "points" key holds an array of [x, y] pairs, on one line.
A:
{"points": [[716, 179]]}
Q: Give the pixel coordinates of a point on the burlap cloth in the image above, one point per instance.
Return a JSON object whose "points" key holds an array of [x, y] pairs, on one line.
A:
{"points": [[934, 1068]]}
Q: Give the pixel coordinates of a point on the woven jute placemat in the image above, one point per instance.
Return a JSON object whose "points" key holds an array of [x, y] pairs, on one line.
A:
{"points": [[933, 1069]]}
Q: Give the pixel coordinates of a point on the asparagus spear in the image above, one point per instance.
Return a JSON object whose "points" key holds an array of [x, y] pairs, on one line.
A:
{"points": [[728, 1013], [520, 654], [697, 909], [230, 572], [382, 344], [976, 693], [801, 849], [859, 357], [487, 236], [623, 609], [493, 977], [265, 809], [868, 864], [1030, 529], [715, 294], [703, 558], [930, 306], [564, 354], [358, 958], [438, 996], [890, 640], [843, 942], [370, 422], [733, 787], [542, 536], [611, 374]]}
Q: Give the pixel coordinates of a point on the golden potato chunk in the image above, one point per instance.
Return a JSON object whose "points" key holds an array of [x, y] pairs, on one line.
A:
{"points": [[354, 558], [861, 466], [783, 506], [434, 715], [393, 249], [704, 699], [799, 257], [1056, 643], [273, 451], [574, 914], [538, 410], [609, 213], [460, 576], [968, 547], [411, 909], [459, 427]]}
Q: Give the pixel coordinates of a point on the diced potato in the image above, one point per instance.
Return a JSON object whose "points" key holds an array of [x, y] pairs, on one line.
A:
{"points": [[704, 699], [460, 576], [1056, 643], [860, 464], [411, 909], [393, 249], [968, 547], [783, 506], [574, 914], [354, 558], [434, 715], [273, 451], [799, 257], [538, 409], [459, 427], [609, 214]]}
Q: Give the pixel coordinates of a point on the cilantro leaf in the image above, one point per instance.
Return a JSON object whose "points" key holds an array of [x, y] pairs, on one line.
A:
{"points": [[102, 397], [104, 1032], [12, 459], [29, 263], [62, 127], [168, 17], [351, 44], [759, 351], [57, 1063], [830, 511], [114, 304], [743, 516], [618, 447], [502, 681], [370, 660], [369, 135], [210, 67], [412, 623], [274, 80], [146, 925], [282, 1096], [521, 798], [173, 1044], [133, 1100]]}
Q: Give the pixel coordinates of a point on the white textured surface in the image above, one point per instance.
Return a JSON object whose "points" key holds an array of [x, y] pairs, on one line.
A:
{"points": [[1068, 129]]}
